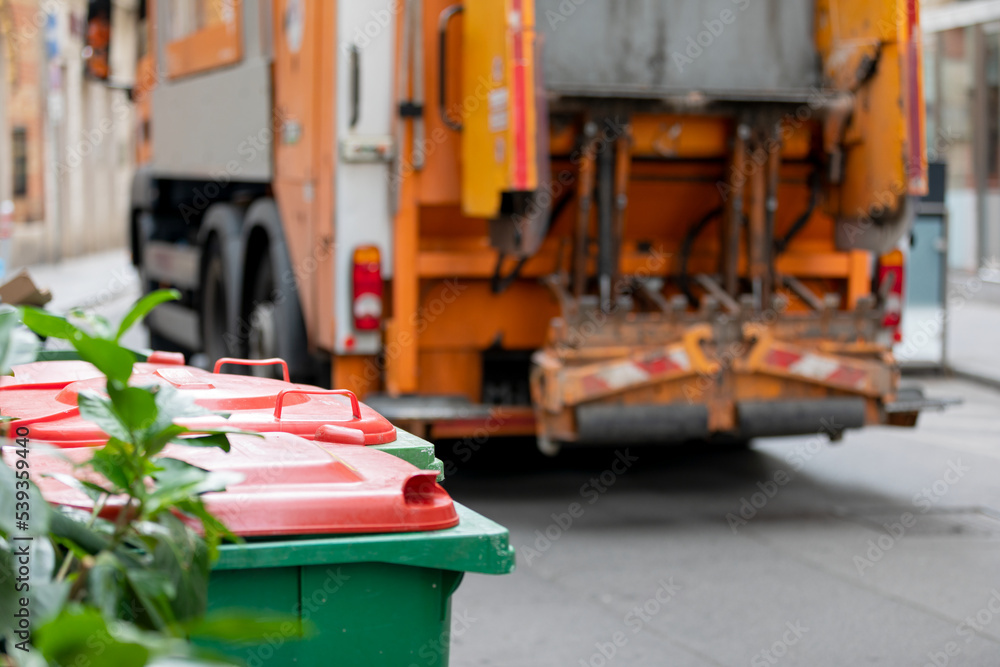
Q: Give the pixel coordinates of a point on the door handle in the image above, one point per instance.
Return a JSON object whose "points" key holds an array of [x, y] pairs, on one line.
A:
{"points": [[355, 85], [446, 16]]}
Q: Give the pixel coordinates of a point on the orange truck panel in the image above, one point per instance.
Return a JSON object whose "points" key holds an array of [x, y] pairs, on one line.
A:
{"points": [[441, 147], [303, 152], [216, 45]]}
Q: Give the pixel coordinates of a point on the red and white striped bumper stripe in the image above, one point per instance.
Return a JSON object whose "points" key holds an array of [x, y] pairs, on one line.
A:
{"points": [[593, 381], [839, 372]]}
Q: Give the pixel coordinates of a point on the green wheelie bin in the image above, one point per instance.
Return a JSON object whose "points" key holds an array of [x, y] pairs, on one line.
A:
{"points": [[374, 600], [354, 551]]}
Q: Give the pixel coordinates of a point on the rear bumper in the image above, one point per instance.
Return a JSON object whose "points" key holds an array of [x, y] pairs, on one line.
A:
{"points": [[606, 424], [698, 385]]}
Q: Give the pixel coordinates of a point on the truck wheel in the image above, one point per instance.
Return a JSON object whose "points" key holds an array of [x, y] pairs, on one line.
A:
{"points": [[272, 336], [215, 307], [271, 311], [262, 341]]}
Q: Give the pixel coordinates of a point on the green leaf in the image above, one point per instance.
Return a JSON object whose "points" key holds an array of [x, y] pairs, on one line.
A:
{"points": [[153, 593], [46, 596], [213, 437], [38, 523], [17, 344], [113, 462], [215, 531], [106, 585], [80, 635], [68, 527], [156, 443], [174, 405], [91, 490], [70, 546], [219, 440], [144, 306], [170, 405], [183, 557], [135, 407], [100, 410], [48, 325], [177, 481], [108, 356], [153, 584], [96, 325]]}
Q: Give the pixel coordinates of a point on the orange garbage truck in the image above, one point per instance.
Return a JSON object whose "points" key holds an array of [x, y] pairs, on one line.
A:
{"points": [[584, 220]]}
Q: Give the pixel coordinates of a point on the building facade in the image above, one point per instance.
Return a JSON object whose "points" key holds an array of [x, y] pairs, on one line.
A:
{"points": [[962, 88], [66, 146]]}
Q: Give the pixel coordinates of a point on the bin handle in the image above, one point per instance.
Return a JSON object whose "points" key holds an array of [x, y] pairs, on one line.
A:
{"points": [[355, 405], [252, 362]]}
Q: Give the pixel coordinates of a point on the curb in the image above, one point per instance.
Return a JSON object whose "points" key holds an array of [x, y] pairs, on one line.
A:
{"points": [[977, 378]]}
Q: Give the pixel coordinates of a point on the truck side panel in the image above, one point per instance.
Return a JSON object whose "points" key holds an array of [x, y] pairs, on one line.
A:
{"points": [[186, 144]]}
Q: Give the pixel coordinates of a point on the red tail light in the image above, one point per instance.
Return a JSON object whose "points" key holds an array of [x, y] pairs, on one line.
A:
{"points": [[891, 275], [367, 289]]}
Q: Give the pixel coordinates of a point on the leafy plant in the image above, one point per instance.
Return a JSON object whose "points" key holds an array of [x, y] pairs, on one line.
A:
{"points": [[17, 345], [125, 584]]}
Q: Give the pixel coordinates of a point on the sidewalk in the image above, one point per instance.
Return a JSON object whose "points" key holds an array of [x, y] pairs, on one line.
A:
{"points": [[105, 283], [973, 345]]}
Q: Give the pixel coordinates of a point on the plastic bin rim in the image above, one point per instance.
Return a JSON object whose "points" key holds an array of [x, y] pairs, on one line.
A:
{"points": [[476, 544]]}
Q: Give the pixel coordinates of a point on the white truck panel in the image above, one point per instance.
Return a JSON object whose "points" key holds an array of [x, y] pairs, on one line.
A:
{"points": [[363, 215], [217, 125]]}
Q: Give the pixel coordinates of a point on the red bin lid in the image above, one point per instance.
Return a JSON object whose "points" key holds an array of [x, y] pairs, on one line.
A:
{"points": [[45, 398], [290, 487], [63, 372]]}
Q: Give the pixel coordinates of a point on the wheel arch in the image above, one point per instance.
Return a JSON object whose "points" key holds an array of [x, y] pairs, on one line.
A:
{"points": [[263, 233]]}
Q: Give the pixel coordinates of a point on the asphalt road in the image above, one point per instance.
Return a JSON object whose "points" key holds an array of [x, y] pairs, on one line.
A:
{"points": [[881, 550]]}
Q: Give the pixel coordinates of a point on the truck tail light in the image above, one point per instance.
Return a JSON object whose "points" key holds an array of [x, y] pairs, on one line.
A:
{"points": [[891, 274], [367, 289]]}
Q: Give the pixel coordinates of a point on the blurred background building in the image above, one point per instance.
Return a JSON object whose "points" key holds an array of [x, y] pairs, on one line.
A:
{"points": [[66, 151], [962, 70]]}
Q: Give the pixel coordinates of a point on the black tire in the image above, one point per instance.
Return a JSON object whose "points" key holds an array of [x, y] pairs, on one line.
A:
{"points": [[272, 319], [262, 340], [215, 332]]}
